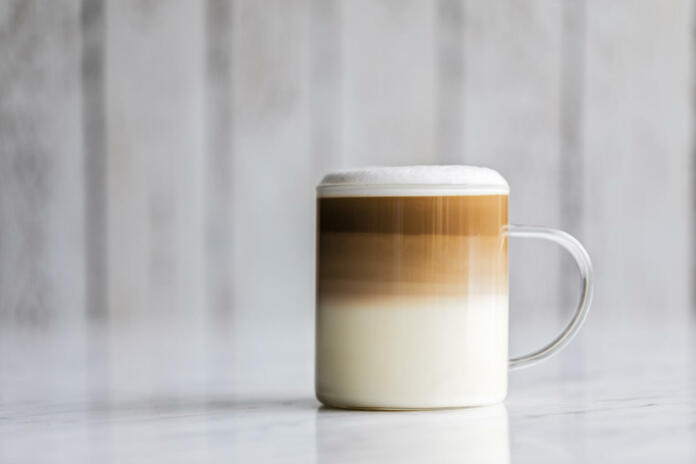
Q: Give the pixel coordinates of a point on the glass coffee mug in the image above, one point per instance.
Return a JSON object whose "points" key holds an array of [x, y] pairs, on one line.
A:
{"points": [[412, 288]]}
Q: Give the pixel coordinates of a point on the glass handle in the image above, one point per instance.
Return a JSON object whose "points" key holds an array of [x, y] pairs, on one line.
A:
{"points": [[582, 259]]}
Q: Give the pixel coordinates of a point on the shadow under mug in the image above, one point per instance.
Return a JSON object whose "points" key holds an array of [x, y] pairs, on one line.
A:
{"points": [[412, 288]]}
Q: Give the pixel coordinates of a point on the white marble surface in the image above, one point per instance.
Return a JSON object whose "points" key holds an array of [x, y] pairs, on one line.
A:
{"points": [[195, 391]]}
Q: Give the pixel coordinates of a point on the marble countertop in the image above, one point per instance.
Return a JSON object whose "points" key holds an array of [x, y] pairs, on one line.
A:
{"points": [[194, 392]]}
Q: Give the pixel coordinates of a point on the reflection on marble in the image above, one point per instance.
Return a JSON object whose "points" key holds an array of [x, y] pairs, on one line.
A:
{"points": [[186, 392], [461, 435]]}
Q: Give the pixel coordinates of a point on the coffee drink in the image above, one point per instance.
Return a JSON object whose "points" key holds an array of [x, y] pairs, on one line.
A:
{"points": [[412, 288], [412, 293]]}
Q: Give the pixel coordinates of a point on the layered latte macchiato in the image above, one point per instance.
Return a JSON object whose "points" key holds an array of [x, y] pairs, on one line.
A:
{"points": [[412, 288]]}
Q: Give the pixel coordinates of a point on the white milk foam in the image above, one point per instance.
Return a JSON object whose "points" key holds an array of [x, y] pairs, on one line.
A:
{"points": [[413, 354], [413, 181]]}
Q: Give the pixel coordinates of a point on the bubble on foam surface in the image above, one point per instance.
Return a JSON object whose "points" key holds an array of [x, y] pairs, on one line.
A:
{"points": [[417, 175]]}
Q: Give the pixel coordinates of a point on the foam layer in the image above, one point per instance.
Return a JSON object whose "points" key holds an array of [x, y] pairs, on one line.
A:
{"points": [[413, 180]]}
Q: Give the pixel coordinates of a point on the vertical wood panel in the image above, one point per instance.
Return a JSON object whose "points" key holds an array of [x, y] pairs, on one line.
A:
{"points": [[450, 84], [637, 200], [389, 79], [692, 170], [220, 166], [274, 170], [95, 175], [155, 80], [572, 105], [326, 84], [42, 256], [513, 52], [571, 179]]}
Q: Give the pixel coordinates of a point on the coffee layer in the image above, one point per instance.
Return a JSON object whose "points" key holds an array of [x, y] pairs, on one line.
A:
{"points": [[397, 247]]}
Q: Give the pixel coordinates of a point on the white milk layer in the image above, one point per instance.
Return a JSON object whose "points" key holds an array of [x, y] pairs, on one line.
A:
{"points": [[419, 354], [413, 181]]}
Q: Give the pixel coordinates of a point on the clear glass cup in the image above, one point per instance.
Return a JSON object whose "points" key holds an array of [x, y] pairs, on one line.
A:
{"points": [[412, 288]]}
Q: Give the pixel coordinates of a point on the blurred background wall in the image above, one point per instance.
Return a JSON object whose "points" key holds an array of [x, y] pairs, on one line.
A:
{"points": [[158, 158]]}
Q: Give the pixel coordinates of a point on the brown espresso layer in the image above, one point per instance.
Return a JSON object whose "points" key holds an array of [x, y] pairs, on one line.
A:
{"points": [[434, 246]]}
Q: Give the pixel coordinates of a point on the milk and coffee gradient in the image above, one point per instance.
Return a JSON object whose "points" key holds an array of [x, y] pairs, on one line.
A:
{"points": [[412, 287]]}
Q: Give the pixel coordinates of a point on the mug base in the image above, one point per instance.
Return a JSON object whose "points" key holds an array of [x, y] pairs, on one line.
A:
{"points": [[332, 404]]}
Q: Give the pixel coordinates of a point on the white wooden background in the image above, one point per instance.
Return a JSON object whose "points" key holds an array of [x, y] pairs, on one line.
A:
{"points": [[158, 158]]}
